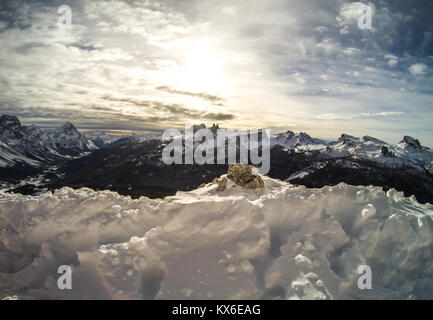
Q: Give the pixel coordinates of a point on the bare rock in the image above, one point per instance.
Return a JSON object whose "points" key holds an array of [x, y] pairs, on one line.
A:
{"points": [[241, 174], [222, 185], [385, 152]]}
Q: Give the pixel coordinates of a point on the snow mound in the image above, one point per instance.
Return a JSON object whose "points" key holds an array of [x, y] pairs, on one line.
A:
{"points": [[276, 242]]}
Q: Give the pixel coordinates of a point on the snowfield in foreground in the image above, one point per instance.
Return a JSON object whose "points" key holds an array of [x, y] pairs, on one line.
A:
{"points": [[280, 241]]}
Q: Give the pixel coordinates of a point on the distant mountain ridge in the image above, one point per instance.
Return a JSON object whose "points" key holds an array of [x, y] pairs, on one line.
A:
{"points": [[408, 152], [132, 165], [30, 146]]}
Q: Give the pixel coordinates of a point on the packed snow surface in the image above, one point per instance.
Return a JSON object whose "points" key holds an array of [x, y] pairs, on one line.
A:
{"points": [[278, 242]]}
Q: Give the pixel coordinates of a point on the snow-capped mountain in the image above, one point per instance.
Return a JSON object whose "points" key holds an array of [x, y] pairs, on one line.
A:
{"points": [[132, 165], [408, 151], [277, 242], [300, 141], [103, 140], [30, 146], [68, 141], [406, 166]]}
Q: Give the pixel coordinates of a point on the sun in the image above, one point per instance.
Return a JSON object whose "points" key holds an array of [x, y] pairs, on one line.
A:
{"points": [[203, 69]]}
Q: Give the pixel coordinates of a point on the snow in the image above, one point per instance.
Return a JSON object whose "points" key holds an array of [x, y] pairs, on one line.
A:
{"points": [[30, 146], [280, 241], [140, 138], [298, 175], [27, 145], [408, 152], [300, 141], [103, 139]]}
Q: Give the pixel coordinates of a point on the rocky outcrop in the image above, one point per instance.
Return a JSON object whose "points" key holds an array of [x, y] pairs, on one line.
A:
{"points": [[241, 174], [385, 152], [222, 185]]}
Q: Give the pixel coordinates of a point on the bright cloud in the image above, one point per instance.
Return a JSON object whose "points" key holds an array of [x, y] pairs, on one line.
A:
{"points": [[418, 69], [391, 60]]}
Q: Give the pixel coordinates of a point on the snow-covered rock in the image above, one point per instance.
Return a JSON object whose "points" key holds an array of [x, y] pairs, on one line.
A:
{"points": [[279, 241]]}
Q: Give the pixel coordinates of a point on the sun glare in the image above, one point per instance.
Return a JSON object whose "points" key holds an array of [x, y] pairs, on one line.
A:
{"points": [[203, 69]]}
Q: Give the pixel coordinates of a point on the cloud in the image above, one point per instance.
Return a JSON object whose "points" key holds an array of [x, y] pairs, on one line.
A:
{"points": [[304, 64], [382, 114], [171, 112], [231, 11], [218, 116], [418, 69], [391, 60], [349, 15], [202, 95], [332, 116]]}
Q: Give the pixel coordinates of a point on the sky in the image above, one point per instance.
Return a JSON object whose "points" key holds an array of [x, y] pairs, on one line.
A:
{"points": [[278, 64]]}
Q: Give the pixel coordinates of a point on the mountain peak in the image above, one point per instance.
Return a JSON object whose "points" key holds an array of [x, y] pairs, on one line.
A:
{"points": [[348, 139], [9, 121], [214, 129], [372, 139], [68, 125], [198, 127], [412, 142], [304, 136], [290, 133], [68, 128]]}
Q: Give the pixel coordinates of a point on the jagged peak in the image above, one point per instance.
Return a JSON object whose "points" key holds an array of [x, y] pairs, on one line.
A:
{"points": [[412, 142], [347, 138], [68, 125], [32, 129], [198, 127], [214, 128], [373, 139], [8, 120], [304, 135], [290, 133]]}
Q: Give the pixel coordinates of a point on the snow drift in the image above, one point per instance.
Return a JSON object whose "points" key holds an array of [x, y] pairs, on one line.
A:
{"points": [[277, 242]]}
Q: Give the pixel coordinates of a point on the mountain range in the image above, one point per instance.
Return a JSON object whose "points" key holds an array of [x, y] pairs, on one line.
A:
{"points": [[33, 161]]}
